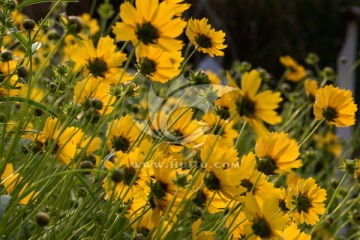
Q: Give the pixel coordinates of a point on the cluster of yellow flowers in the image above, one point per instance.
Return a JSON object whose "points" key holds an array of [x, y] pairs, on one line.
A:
{"points": [[154, 163]]}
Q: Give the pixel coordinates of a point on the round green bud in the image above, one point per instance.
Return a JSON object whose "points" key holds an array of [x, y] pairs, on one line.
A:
{"points": [[29, 24], [42, 219]]}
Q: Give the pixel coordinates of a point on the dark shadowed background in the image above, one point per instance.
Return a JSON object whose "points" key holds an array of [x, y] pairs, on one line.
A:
{"points": [[259, 31]]}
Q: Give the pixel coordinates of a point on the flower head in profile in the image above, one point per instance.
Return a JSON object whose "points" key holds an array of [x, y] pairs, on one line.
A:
{"points": [[335, 105], [263, 218], [310, 88], [128, 179], [102, 62], [294, 71], [64, 143], [157, 64], [122, 134], [11, 180], [201, 235], [150, 23], [178, 128], [253, 106], [166, 194], [293, 233], [306, 199], [277, 153], [205, 38], [329, 142], [94, 94], [221, 172]]}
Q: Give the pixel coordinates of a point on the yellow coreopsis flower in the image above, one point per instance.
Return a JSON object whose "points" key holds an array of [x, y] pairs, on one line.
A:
{"points": [[93, 93], [150, 23], [157, 64], [255, 182], [128, 179], [205, 38], [178, 5], [165, 187], [293, 233], [310, 87], [263, 218], [205, 198], [294, 71], [221, 165], [306, 199], [277, 153], [255, 107], [66, 141], [201, 235], [329, 142], [335, 105], [121, 134], [215, 124], [10, 180], [178, 128], [90, 25], [102, 62]]}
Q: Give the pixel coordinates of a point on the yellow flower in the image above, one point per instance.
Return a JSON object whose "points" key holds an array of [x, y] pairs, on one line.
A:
{"points": [[250, 176], [128, 188], [310, 87], [235, 224], [294, 71], [178, 5], [11, 180], [255, 107], [201, 235], [206, 198], [277, 153], [214, 121], [164, 191], [307, 200], [122, 133], [66, 141], [263, 217], [221, 165], [293, 233], [92, 93], [213, 77], [90, 25], [329, 142], [335, 105], [178, 128], [102, 62], [9, 82], [157, 64], [150, 23], [205, 38]]}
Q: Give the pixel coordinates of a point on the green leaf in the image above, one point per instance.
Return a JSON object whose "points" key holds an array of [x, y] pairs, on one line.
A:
{"points": [[30, 102], [21, 39], [31, 2]]}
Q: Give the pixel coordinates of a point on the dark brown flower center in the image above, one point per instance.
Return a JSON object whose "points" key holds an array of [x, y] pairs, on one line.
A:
{"points": [[329, 114], [211, 181], [146, 33], [266, 166], [120, 143], [262, 229], [245, 107], [97, 67], [146, 66], [203, 41]]}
